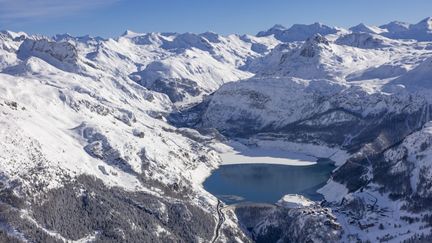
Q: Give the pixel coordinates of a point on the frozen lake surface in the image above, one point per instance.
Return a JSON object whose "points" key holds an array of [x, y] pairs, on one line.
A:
{"points": [[266, 156]]}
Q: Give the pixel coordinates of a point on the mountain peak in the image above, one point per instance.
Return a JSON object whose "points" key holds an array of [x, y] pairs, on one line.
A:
{"points": [[298, 32], [318, 24], [14, 35], [358, 27], [130, 33], [188, 40], [363, 28], [422, 31], [278, 27], [318, 39], [276, 30], [59, 37], [426, 20], [425, 24], [396, 26], [211, 36], [313, 45], [84, 38]]}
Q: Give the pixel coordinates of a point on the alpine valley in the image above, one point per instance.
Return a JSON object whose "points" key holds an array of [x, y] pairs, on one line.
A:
{"points": [[110, 140]]}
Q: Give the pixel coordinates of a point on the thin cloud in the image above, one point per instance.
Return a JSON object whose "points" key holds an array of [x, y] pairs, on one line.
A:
{"points": [[29, 9]]}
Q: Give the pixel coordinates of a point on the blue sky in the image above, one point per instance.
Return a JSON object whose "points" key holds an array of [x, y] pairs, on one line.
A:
{"points": [[110, 18]]}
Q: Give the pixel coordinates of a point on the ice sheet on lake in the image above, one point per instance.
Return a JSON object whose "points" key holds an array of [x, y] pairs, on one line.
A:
{"points": [[266, 156]]}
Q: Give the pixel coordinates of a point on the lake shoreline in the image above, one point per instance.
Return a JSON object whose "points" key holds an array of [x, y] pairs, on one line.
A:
{"points": [[266, 156], [267, 183]]}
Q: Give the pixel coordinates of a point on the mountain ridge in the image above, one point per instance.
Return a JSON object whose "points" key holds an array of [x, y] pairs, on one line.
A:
{"points": [[137, 122]]}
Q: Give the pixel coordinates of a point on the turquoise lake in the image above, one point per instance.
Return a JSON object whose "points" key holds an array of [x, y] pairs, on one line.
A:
{"points": [[267, 183]]}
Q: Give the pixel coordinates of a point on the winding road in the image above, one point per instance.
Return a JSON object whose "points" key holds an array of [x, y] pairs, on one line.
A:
{"points": [[221, 220]]}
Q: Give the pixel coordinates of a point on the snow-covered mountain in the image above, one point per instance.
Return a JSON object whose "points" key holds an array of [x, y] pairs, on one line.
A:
{"points": [[298, 32], [190, 65], [84, 145], [395, 26], [111, 139], [362, 28], [360, 92], [422, 31]]}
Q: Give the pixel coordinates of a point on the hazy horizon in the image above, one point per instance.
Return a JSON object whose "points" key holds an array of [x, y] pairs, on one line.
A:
{"points": [[109, 18]]}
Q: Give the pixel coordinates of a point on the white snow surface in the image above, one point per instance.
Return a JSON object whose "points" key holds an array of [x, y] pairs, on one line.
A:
{"points": [[294, 201], [333, 191], [257, 155], [74, 105], [362, 28], [67, 115], [366, 71]]}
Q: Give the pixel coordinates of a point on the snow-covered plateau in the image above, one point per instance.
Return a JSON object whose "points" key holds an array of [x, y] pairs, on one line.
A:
{"points": [[110, 140]]}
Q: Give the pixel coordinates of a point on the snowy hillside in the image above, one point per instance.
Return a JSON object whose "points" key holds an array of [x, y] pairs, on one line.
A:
{"points": [[73, 130], [111, 139], [360, 92], [189, 66]]}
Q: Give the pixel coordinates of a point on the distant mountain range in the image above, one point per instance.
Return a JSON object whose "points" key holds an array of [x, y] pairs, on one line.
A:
{"points": [[109, 140]]}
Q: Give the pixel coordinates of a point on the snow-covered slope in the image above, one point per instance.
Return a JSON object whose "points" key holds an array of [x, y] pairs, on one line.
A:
{"points": [[321, 58], [9, 44], [86, 153], [98, 139], [298, 32], [195, 65], [365, 40], [418, 79], [360, 92]]}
